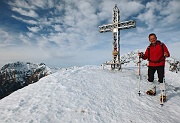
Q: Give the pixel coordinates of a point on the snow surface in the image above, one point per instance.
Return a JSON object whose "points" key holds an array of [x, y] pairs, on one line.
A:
{"points": [[90, 94]]}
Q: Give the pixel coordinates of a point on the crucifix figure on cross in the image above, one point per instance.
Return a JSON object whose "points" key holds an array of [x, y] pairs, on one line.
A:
{"points": [[115, 28]]}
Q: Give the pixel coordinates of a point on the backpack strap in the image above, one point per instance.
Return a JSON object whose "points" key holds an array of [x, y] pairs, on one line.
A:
{"points": [[148, 52], [162, 47]]}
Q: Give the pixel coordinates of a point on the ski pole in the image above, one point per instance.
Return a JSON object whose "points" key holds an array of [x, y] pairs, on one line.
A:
{"points": [[162, 93], [163, 90], [139, 73]]}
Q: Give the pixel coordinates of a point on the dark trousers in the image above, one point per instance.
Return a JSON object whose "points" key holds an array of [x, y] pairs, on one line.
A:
{"points": [[151, 72]]}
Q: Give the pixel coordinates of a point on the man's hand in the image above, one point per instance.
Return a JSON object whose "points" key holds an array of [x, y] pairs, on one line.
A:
{"points": [[140, 54], [165, 54]]}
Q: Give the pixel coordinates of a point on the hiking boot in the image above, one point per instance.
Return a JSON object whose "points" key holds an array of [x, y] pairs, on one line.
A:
{"points": [[163, 92], [164, 98], [151, 92]]}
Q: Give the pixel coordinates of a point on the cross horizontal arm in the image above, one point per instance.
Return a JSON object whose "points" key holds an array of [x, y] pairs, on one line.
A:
{"points": [[127, 25], [122, 25], [106, 28]]}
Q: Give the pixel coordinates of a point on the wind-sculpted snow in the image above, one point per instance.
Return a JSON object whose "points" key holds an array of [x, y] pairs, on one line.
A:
{"points": [[90, 94]]}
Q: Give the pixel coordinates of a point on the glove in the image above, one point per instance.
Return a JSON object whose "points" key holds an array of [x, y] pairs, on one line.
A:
{"points": [[141, 54]]}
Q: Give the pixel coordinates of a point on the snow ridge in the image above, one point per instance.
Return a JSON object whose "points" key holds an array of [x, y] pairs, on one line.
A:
{"points": [[90, 94]]}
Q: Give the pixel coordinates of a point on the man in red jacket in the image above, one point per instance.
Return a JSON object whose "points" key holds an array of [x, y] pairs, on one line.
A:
{"points": [[156, 54]]}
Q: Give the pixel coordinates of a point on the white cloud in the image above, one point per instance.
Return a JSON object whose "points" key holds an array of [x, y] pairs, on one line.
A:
{"points": [[149, 18], [24, 20], [21, 4], [172, 7], [22, 53], [161, 14], [24, 39], [4, 35], [30, 13], [174, 49], [12, 39], [42, 3], [150, 15], [171, 13], [34, 29], [57, 28], [154, 5], [6, 39], [130, 8], [45, 21], [140, 29], [71, 29], [30, 34]]}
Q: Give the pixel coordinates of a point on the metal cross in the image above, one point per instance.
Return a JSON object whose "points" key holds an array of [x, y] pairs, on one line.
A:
{"points": [[115, 29]]}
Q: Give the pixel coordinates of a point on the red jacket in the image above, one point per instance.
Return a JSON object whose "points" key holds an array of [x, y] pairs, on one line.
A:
{"points": [[155, 54]]}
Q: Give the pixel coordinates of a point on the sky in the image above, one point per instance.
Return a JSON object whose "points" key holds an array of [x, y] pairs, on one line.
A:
{"points": [[89, 94], [65, 33]]}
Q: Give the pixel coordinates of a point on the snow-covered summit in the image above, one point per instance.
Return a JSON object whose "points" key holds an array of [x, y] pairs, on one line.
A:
{"points": [[90, 94]]}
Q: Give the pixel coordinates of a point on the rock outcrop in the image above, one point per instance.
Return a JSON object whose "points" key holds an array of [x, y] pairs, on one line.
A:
{"points": [[14, 76]]}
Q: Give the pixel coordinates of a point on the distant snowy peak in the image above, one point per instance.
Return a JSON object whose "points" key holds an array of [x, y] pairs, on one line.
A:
{"points": [[25, 67], [16, 75], [131, 59]]}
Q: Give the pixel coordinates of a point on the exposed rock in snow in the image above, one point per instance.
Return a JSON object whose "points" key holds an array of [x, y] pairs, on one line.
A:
{"points": [[16, 75]]}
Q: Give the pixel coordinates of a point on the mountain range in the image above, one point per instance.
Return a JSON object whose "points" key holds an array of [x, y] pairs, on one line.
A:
{"points": [[14, 76]]}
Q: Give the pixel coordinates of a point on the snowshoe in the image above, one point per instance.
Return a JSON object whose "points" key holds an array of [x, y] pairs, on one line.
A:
{"points": [[164, 98], [150, 92]]}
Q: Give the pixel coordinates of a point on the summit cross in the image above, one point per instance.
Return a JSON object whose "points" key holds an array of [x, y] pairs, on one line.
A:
{"points": [[115, 28]]}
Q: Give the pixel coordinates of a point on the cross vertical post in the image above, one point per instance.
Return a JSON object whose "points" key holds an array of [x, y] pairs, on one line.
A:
{"points": [[115, 29]]}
